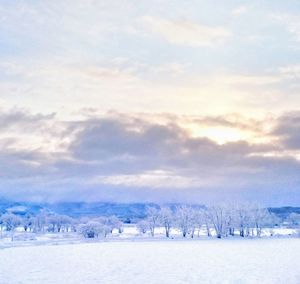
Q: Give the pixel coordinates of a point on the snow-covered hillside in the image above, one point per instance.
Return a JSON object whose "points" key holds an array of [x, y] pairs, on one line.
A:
{"points": [[206, 261]]}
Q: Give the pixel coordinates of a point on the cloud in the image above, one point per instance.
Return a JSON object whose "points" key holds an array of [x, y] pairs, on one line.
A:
{"points": [[178, 132], [239, 10], [152, 179], [287, 130], [252, 80], [22, 119], [184, 32], [138, 157], [291, 22], [290, 71], [85, 52]]}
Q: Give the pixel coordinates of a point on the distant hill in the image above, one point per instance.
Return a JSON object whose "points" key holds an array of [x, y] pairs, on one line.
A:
{"points": [[127, 212], [283, 212], [123, 211], [20, 208]]}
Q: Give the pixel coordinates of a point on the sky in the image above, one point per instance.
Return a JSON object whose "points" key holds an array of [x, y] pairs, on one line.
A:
{"points": [[150, 101]]}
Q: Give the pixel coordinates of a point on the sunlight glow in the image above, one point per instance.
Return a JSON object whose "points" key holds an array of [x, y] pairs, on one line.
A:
{"points": [[220, 135]]}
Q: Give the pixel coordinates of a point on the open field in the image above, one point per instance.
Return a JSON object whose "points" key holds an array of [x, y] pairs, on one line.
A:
{"points": [[129, 233], [173, 261]]}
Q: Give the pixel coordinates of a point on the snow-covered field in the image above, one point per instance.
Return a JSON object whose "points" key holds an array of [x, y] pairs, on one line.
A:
{"points": [[130, 233], [173, 261]]}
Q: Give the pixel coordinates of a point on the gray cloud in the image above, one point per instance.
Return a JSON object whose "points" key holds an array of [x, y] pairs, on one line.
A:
{"points": [[288, 130], [124, 158], [19, 118]]}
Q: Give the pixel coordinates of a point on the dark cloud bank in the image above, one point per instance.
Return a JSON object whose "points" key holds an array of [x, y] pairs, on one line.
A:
{"points": [[123, 158]]}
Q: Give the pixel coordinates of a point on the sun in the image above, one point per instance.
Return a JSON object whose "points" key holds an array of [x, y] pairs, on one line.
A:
{"points": [[221, 135]]}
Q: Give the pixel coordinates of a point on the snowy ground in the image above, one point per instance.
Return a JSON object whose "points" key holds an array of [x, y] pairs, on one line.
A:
{"points": [[173, 261], [130, 233]]}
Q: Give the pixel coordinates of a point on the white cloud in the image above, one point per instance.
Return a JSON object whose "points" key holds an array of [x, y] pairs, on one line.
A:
{"points": [[151, 179], [239, 10], [292, 71], [291, 22], [184, 32], [108, 154], [236, 79]]}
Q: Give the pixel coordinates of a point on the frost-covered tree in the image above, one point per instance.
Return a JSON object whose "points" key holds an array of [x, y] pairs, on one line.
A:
{"points": [[196, 221], [294, 219], [59, 223], [260, 217], [40, 221], [142, 226], [166, 219], [199, 220], [67, 223], [109, 224], [51, 222], [206, 221], [91, 229], [28, 222], [11, 222], [152, 214], [184, 218], [272, 221], [230, 219], [114, 223], [217, 216], [1, 226], [243, 218]]}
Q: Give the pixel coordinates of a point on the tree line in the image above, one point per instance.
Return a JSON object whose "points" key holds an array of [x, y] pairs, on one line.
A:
{"points": [[45, 222], [220, 220]]}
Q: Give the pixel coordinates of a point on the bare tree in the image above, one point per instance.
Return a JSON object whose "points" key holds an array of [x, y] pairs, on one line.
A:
{"points": [[217, 216], [28, 222], [152, 218], [51, 222], [197, 222], [59, 223], [166, 218], [230, 219], [11, 222], [184, 219], [115, 223], [67, 223], [142, 226], [91, 229], [260, 217], [243, 217], [271, 221], [294, 220], [2, 225], [206, 221], [40, 221]]}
